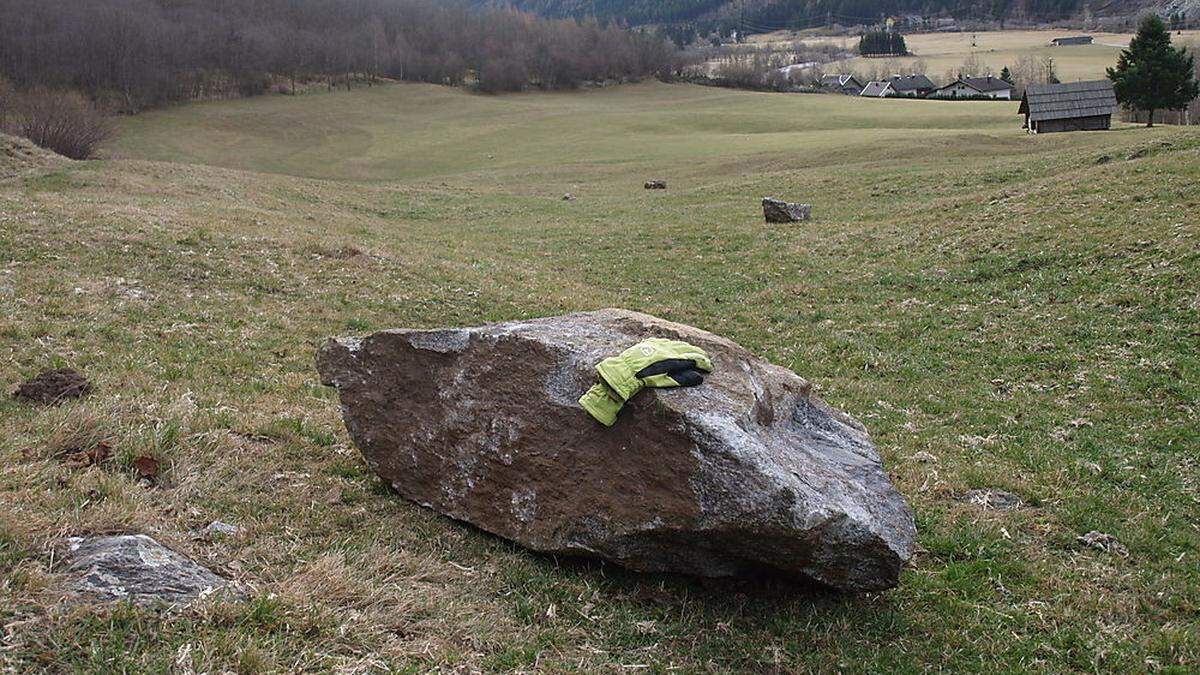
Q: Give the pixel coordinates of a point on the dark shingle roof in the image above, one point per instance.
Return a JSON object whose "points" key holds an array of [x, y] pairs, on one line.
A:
{"points": [[911, 82], [986, 84], [835, 80], [1074, 40], [1073, 99]]}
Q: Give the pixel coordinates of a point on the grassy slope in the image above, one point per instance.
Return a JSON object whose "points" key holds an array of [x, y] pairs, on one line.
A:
{"points": [[1001, 302]]}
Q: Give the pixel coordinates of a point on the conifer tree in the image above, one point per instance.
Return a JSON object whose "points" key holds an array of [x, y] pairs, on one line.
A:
{"points": [[1152, 75]]}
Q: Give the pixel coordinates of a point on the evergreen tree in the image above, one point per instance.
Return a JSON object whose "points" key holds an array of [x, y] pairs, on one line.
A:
{"points": [[1152, 75], [882, 43], [1006, 74]]}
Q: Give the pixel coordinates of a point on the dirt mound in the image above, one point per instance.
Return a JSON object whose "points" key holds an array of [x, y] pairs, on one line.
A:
{"points": [[19, 157], [54, 386]]}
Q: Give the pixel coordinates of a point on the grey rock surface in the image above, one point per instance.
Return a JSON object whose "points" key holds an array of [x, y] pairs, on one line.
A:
{"points": [[138, 569], [656, 185], [218, 528], [746, 472], [1102, 541], [779, 211], [988, 498]]}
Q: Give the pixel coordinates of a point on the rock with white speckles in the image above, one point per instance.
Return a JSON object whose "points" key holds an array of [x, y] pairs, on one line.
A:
{"points": [[746, 473], [138, 569]]}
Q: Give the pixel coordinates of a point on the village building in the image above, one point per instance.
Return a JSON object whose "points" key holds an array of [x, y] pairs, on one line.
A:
{"points": [[911, 85], [876, 89], [1074, 40], [976, 87], [1074, 106], [845, 84]]}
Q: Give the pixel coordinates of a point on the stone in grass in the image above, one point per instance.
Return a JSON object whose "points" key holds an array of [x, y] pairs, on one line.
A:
{"points": [[218, 528], [746, 473], [137, 569], [54, 386], [1103, 542], [993, 499], [779, 211], [568, 197], [656, 185]]}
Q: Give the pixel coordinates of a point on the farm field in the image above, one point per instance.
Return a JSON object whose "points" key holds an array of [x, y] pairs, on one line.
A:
{"points": [[1000, 310], [943, 53]]}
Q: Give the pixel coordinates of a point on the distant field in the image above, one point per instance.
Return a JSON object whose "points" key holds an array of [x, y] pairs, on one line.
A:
{"points": [[945, 52], [1000, 310], [422, 132]]}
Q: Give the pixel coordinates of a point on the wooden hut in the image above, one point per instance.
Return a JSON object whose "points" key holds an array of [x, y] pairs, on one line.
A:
{"points": [[1074, 106], [1073, 40]]}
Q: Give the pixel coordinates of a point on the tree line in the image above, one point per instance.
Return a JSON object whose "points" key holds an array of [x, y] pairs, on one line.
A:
{"points": [[757, 16], [135, 54]]}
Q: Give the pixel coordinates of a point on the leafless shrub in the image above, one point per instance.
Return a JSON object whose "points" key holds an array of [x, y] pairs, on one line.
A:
{"points": [[62, 121]]}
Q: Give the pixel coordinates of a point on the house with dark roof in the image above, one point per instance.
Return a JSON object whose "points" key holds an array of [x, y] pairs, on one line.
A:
{"points": [[911, 85], [976, 87], [1073, 40], [846, 84], [1074, 106]]}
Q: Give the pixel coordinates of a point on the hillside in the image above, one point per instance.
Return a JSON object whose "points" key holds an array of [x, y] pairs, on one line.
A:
{"points": [[19, 157], [1002, 311], [762, 16]]}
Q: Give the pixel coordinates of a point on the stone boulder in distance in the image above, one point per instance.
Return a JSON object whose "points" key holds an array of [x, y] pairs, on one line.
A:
{"points": [[745, 473], [779, 211], [656, 185]]}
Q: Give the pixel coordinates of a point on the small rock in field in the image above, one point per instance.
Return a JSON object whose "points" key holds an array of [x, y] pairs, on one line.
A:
{"points": [[924, 457], [217, 527], [54, 386], [1104, 159], [1103, 542], [993, 499], [1139, 153], [568, 197], [779, 211], [656, 185], [138, 569]]}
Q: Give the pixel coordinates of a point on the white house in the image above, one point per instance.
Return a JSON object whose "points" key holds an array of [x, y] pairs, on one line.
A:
{"points": [[976, 87]]}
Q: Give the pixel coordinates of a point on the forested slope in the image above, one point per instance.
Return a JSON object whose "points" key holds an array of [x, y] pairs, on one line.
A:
{"points": [[758, 15]]}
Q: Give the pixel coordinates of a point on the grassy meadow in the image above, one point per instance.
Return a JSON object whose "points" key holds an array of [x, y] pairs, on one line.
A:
{"points": [[1001, 310]]}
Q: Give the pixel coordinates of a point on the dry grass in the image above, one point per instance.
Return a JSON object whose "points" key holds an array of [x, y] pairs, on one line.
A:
{"points": [[1022, 322]]}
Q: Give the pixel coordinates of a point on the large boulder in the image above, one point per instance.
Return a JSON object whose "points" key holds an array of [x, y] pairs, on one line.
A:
{"points": [[745, 473]]}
